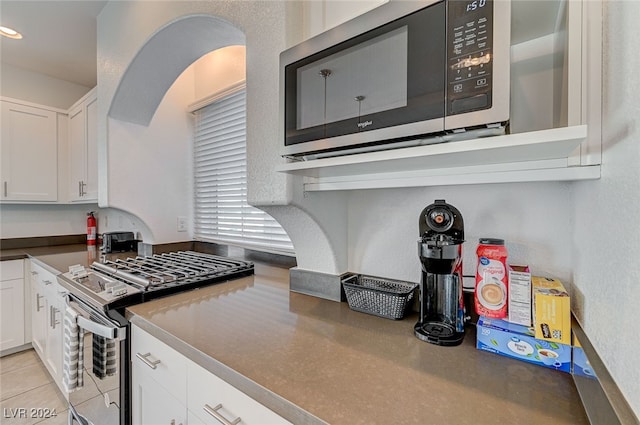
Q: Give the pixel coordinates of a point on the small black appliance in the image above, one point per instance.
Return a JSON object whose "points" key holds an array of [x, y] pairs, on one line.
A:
{"points": [[118, 242], [442, 313]]}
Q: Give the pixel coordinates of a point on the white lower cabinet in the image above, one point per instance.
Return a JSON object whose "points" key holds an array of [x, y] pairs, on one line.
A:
{"points": [[47, 310], [11, 304], [215, 402], [159, 381], [170, 389], [38, 318], [55, 334], [153, 403]]}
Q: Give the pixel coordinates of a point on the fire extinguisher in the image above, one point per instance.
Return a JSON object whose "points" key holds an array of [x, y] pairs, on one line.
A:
{"points": [[91, 228]]}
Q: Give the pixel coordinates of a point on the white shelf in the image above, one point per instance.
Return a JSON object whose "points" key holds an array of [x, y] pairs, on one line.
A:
{"points": [[534, 156]]}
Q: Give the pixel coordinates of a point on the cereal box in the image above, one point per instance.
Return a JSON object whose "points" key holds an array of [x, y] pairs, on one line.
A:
{"points": [[551, 310]]}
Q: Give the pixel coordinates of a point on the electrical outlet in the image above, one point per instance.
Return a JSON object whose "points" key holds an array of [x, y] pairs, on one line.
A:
{"points": [[182, 224]]}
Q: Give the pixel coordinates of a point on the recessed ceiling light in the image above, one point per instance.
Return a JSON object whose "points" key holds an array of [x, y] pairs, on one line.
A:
{"points": [[11, 33]]}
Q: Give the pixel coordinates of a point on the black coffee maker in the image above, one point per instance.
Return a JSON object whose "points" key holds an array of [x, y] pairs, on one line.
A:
{"points": [[442, 313]]}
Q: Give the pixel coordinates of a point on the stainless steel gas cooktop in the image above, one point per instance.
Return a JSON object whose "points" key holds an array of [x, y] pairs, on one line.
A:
{"points": [[124, 282]]}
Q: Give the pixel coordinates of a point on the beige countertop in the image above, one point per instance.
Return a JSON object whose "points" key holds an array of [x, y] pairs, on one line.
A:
{"points": [[315, 361], [308, 358]]}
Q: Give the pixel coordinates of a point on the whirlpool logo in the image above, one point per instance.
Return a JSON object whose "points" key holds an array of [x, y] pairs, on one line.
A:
{"points": [[365, 124]]}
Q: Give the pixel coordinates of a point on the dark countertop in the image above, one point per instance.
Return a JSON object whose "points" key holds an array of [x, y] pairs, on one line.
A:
{"points": [[308, 358], [58, 258], [21, 253], [347, 367]]}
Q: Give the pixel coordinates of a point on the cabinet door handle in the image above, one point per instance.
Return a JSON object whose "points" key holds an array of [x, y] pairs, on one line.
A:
{"points": [[6, 191], [34, 273], [38, 306], [152, 364], [47, 282], [81, 186], [52, 317], [213, 411]]}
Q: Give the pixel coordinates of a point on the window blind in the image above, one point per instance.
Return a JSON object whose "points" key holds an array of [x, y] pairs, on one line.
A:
{"points": [[221, 211]]}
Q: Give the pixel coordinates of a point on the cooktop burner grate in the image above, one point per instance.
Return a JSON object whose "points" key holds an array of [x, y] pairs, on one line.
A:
{"points": [[170, 269], [125, 282]]}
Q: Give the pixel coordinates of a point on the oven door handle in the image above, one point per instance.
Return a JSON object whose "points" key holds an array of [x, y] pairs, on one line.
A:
{"points": [[105, 329], [98, 329]]}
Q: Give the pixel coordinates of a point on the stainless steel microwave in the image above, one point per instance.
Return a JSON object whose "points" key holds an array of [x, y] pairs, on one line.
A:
{"points": [[407, 72]]}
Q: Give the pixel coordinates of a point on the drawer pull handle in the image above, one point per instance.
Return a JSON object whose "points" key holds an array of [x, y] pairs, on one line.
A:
{"points": [[145, 360], [47, 282], [213, 411]]}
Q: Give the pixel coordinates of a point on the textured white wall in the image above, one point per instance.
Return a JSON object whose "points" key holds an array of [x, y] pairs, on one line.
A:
{"points": [[531, 217], [22, 221], [219, 69], [125, 148], [606, 212], [264, 27], [150, 173]]}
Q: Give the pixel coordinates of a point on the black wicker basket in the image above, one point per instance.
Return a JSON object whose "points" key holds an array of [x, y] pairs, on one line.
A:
{"points": [[378, 296]]}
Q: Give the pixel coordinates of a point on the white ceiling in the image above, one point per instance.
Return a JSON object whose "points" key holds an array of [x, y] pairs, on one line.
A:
{"points": [[59, 38]]}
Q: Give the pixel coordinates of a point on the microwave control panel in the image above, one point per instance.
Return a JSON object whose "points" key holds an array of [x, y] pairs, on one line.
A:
{"points": [[469, 55]]}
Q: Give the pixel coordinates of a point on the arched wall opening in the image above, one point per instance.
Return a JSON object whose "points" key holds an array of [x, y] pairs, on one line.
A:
{"points": [[138, 104], [163, 58]]}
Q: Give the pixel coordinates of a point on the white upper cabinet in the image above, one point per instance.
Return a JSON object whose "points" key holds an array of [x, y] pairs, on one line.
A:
{"points": [[29, 150], [83, 157]]}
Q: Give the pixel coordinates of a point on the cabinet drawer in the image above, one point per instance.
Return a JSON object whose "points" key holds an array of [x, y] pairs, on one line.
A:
{"points": [[159, 361], [209, 395], [12, 269], [42, 275]]}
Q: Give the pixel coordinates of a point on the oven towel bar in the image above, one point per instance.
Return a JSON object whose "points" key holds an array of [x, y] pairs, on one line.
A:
{"points": [[73, 361], [104, 356]]}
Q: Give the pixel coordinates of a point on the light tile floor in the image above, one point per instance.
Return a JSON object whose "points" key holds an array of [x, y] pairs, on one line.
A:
{"points": [[27, 392]]}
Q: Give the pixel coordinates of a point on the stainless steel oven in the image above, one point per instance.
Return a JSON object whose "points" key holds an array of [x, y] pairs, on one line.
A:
{"points": [[97, 342], [424, 71], [95, 347]]}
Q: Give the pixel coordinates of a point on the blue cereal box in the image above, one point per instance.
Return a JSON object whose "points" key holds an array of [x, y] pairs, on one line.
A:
{"points": [[518, 342]]}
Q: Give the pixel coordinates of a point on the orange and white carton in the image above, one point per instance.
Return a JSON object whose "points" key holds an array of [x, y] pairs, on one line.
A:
{"points": [[551, 310]]}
